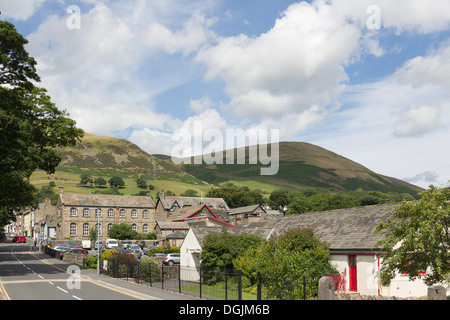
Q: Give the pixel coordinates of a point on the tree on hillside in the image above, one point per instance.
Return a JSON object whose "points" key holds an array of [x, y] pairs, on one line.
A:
{"points": [[100, 182], [416, 238], [141, 183], [116, 182], [31, 126], [85, 180]]}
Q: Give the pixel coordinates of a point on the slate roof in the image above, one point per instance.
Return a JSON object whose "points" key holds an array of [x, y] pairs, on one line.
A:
{"points": [[176, 235], [246, 209], [172, 225], [344, 229], [185, 213], [103, 200], [202, 232], [168, 201]]}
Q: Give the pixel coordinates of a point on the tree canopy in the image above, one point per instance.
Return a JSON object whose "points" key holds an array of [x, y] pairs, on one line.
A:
{"points": [[416, 238], [31, 126]]}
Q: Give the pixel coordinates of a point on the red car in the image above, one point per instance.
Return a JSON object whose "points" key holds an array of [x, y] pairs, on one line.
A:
{"points": [[18, 239]]}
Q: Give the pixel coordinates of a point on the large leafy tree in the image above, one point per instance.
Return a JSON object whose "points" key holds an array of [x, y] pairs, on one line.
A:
{"points": [[284, 260], [31, 126], [416, 238]]}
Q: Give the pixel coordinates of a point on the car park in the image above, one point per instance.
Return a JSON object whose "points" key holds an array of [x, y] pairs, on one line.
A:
{"points": [[171, 259]]}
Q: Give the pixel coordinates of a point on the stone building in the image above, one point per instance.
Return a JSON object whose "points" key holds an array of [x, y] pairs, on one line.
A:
{"points": [[248, 214], [166, 205], [79, 213]]}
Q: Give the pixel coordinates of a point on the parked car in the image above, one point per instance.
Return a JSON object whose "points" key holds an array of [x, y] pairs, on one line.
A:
{"points": [[75, 250], [62, 247], [171, 259], [141, 244], [136, 252], [111, 243], [134, 247], [119, 249], [155, 255], [126, 243], [97, 244], [18, 239]]}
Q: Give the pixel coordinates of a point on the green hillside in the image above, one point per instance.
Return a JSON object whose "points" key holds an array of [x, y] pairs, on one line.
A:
{"points": [[303, 165], [106, 157]]}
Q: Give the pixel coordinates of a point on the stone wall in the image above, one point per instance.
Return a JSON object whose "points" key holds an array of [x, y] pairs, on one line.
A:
{"points": [[75, 258]]}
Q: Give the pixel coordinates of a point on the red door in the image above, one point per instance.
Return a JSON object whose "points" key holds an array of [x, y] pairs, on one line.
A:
{"points": [[352, 273]]}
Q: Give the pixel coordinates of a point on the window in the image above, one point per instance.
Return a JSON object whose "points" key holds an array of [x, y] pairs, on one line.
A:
{"points": [[73, 229], [123, 213], [145, 229], [134, 213], [73, 212], [86, 212], [109, 226], [86, 230], [110, 213], [134, 227], [98, 213], [145, 214]]}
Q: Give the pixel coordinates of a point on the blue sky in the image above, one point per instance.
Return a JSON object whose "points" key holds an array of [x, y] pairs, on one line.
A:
{"points": [[318, 71]]}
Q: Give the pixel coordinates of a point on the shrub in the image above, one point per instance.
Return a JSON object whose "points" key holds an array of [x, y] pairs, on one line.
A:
{"points": [[121, 264], [91, 262], [147, 265]]}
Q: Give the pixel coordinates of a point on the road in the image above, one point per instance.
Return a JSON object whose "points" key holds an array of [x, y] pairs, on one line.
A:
{"points": [[26, 275]]}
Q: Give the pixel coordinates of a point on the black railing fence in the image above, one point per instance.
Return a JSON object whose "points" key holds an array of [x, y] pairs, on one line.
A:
{"points": [[213, 283]]}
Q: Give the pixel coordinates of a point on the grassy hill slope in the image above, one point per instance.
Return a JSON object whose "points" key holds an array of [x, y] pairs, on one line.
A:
{"points": [[105, 157], [303, 165]]}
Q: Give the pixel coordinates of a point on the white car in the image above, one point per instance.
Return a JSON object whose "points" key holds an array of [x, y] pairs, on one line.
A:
{"points": [[111, 243]]}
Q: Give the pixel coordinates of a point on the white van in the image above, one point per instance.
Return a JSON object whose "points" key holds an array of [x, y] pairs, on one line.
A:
{"points": [[111, 243], [86, 244]]}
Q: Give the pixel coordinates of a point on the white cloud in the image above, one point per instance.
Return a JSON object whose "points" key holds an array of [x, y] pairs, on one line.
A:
{"points": [[422, 16], [397, 126], [417, 121], [103, 72], [190, 38], [20, 10], [201, 104], [296, 67], [152, 141]]}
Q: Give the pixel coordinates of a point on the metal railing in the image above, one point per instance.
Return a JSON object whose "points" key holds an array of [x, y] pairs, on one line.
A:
{"points": [[213, 283]]}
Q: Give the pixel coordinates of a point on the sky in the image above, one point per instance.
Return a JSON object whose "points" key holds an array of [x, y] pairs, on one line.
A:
{"points": [[366, 79]]}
